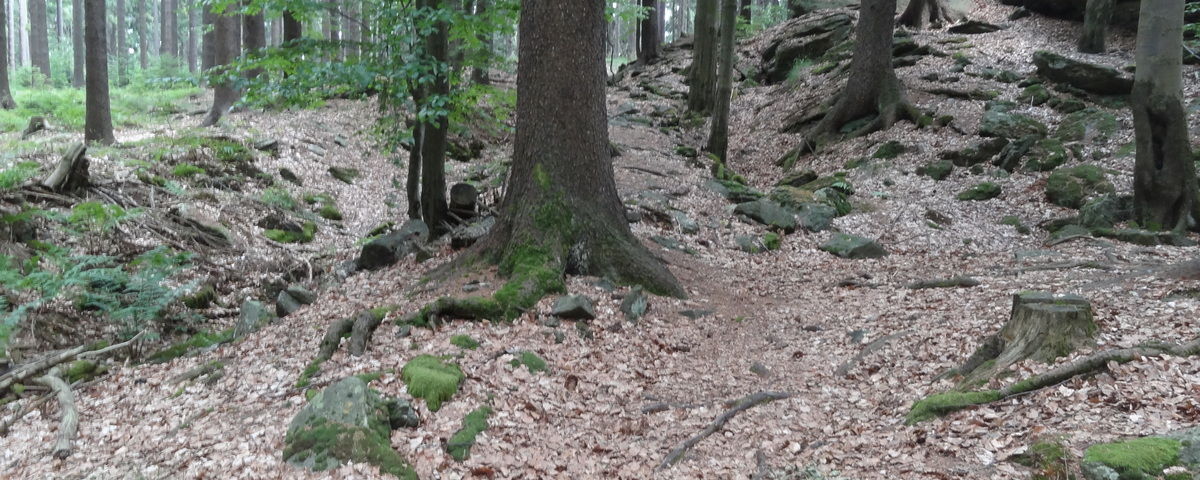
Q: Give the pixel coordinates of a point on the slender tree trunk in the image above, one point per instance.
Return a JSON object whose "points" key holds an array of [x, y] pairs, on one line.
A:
{"points": [[482, 73], [168, 30], [26, 58], [39, 42], [193, 44], [718, 138], [352, 34], [1095, 26], [703, 75], [97, 117], [6, 98], [208, 48], [433, 133], [58, 22], [744, 11], [254, 36], [648, 34], [1164, 178], [139, 24], [78, 48], [873, 91], [226, 36], [292, 28], [122, 47], [922, 14]]}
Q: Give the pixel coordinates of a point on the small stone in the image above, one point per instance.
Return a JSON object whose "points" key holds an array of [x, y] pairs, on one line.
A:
{"points": [[981, 192], [346, 175], [768, 213], [574, 307], [853, 247], [251, 317], [760, 370], [635, 304]]}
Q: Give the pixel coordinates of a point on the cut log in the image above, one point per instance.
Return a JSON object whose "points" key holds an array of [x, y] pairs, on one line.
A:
{"points": [[36, 124], [1042, 327], [71, 172], [463, 197]]}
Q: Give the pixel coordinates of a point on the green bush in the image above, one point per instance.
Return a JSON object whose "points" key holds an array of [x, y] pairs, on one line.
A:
{"points": [[96, 217]]}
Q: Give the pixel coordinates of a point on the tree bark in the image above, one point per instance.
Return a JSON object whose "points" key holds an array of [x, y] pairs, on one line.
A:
{"points": [[193, 44], [481, 75], [1095, 26], [292, 28], [208, 46], [122, 48], [254, 36], [352, 35], [648, 34], [1164, 178], [561, 201], [923, 14], [139, 24], [23, 32], [39, 43], [6, 99], [225, 50], [873, 92], [718, 138], [435, 127], [167, 30], [78, 48], [703, 75], [98, 118]]}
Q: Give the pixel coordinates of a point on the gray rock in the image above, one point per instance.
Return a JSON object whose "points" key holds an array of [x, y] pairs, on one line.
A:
{"points": [[685, 223], [251, 317], [798, 178], [1106, 211], [346, 175], [635, 304], [999, 120], [464, 236], [853, 247], [574, 307], [286, 305], [815, 217], [975, 154], [768, 213], [388, 249], [347, 422], [1085, 76], [750, 244], [301, 294]]}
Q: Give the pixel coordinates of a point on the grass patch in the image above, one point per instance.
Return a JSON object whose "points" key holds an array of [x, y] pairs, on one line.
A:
{"points": [[196, 342], [17, 175], [1143, 457], [432, 379], [279, 198], [187, 170], [284, 236], [64, 107], [531, 361], [464, 341]]}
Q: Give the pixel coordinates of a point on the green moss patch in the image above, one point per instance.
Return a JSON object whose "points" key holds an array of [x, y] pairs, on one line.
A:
{"points": [[203, 297], [1071, 187], [981, 192], [889, 150], [942, 403], [464, 341], [432, 379], [284, 236], [1139, 458], [459, 445], [531, 361], [187, 170], [197, 341], [1049, 460]]}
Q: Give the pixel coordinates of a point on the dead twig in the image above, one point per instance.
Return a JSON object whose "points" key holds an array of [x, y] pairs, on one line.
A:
{"points": [[741, 405]]}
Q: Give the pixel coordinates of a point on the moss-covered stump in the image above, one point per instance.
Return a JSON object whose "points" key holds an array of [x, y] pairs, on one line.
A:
{"points": [[346, 422], [1042, 327], [432, 379], [459, 445]]}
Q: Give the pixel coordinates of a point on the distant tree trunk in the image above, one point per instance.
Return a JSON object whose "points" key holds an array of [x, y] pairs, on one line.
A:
{"points": [[1164, 177], [872, 91], [208, 47], [168, 30], [718, 137], [922, 14], [481, 75], [97, 117], [77, 73], [648, 34], [23, 32], [433, 143], [352, 35], [193, 38], [39, 43], [6, 99], [139, 24], [254, 36], [122, 47], [225, 50], [58, 22], [702, 81], [292, 28], [744, 11], [1095, 26]]}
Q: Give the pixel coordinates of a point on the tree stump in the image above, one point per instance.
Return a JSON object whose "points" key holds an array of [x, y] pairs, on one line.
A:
{"points": [[463, 197], [36, 124], [1042, 327], [71, 172]]}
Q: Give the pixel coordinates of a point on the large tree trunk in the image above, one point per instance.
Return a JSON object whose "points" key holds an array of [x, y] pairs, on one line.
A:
{"points": [[208, 47], [1095, 26], [167, 30], [718, 138], [77, 46], [97, 118], [139, 24], [922, 14], [648, 34], [292, 28], [39, 42], [872, 92], [434, 131], [122, 48], [193, 44], [703, 75], [561, 205], [1164, 177], [254, 36], [6, 99], [225, 50]]}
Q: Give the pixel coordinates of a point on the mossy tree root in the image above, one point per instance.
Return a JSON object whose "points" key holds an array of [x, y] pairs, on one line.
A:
{"points": [[944, 403], [359, 328]]}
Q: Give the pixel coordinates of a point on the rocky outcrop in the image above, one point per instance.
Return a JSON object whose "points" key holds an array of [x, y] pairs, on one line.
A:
{"points": [[1085, 76]]}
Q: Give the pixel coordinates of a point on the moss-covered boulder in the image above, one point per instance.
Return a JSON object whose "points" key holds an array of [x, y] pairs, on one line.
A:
{"points": [[1048, 154], [733, 191], [1089, 125], [976, 153], [853, 247], [432, 379], [346, 422], [1138, 459], [1001, 120], [1085, 76], [798, 178], [1071, 187], [1035, 95], [344, 174], [1106, 211], [768, 213], [889, 150], [980, 192], [938, 170]]}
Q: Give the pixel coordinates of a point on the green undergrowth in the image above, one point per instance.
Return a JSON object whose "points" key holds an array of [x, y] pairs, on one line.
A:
{"points": [[531, 276], [195, 342], [464, 341], [284, 236], [1139, 458], [1048, 458], [531, 361], [432, 379], [459, 445], [64, 107], [940, 404]]}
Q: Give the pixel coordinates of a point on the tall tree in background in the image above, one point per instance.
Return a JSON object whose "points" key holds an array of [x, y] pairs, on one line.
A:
{"points": [[922, 14], [139, 24], [254, 34], [122, 47], [168, 30], [292, 28], [481, 75], [226, 44], [78, 48], [561, 213], [193, 42], [1095, 26], [703, 76], [6, 98], [872, 91], [97, 117], [208, 42], [432, 124], [744, 11], [648, 39], [1164, 177], [718, 138], [39, 41], [58, 21], [352, 34]]}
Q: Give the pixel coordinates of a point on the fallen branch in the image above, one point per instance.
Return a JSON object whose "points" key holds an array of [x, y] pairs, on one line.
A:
{"points": [[741, 405], [70, 416], [29, 407], [869, 349], [25, 371]]}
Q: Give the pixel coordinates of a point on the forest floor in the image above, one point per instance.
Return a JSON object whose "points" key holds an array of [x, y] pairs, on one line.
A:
{"points": [[618, 396]]}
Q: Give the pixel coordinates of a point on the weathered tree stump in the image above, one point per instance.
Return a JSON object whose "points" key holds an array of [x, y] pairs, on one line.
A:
{"points": [[36, 124], [71, 172], [1042, 327], [463, 197]]}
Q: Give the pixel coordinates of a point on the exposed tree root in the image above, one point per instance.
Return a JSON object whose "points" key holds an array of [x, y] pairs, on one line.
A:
{"points": [[28, 370], [741, 405], [70, 416], [944, 403]]}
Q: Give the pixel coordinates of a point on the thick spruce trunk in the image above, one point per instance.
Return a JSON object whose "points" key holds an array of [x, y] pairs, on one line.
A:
{"points": [[718, 138], [703, 76], [97, 116]]}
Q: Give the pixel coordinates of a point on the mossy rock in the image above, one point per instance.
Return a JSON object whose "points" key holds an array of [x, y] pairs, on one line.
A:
{"points": [[1106, 211], [1138, 459], [1049, 459], [329, 211], [768, 213], [286, 236], [853, 247], [459, 445], [977, 153], [1071, 187], [432, 379], [798, 178], [1000, 120], [464, 341], [346, 175], [531, 361], [1066, 104], [202, 298], [733, 191], [1035, 95], [889, 150], [1048, 154], [1089, 125], [1015, 222], [981, 192], [347, 422], [938, 170]]}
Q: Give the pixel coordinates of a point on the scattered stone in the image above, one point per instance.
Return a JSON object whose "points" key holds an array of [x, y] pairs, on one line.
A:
{"points": [[685, 223], [1090, 126], [973, 27], [977, 153], [750, 244], [1012, 154], [798, 178], [760, 370], [768, 213], [390, 248], [464, 236], [981, 192], [733, 191], [1048, 154], [853, 247], [1106, 211], [1066, 104], [267, 145], [696, 314], [1015, 222], [287, 174], [1085, 76], [1071, 187], [635, 304], [574, 307], [815, 217], [671, 244], [251, 317], [346, 175], [955, 282], [889, 150], [1035, 95], [938, 170], [1000, 121], [291, 299]]}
